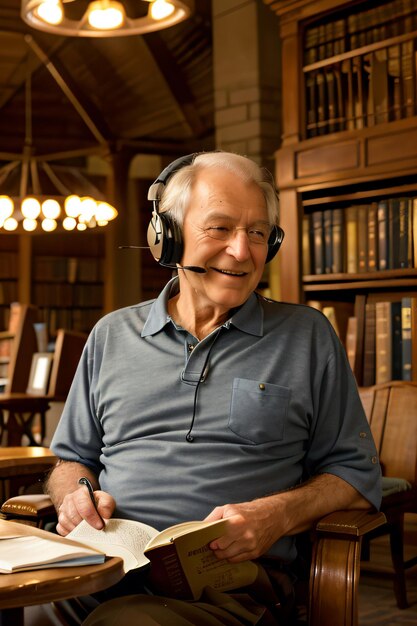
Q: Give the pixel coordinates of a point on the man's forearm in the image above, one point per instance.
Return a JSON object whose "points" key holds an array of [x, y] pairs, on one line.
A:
{"points": [[64, 479], [316, 498]]}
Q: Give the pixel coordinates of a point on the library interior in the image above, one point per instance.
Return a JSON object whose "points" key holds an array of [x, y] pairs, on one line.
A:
{"points": [[323, 93]]}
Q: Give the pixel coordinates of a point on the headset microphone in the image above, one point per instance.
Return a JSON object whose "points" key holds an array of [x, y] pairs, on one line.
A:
{"points": [[190, 268]]}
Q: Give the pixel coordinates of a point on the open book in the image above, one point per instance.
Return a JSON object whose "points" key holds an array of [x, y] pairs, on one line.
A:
{"points": [[25, 548], [181, 563]]}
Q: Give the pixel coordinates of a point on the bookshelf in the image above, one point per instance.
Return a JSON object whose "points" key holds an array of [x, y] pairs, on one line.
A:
{"points": [[349, 148], [62, 274], [67, 280]]}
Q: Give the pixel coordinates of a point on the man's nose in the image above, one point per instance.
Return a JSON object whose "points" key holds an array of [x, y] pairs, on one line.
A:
{"points": [[239, 244]]}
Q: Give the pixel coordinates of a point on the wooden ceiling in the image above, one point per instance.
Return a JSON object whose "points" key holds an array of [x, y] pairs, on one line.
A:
{"points": [[151, 93]]}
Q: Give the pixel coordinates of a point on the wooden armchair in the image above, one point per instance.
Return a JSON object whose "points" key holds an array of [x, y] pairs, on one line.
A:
{"points": [[335, 559], [391, 409]]}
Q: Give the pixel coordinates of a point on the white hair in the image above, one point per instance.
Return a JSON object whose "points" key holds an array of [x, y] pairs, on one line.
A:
{"points": [[176, 196]]}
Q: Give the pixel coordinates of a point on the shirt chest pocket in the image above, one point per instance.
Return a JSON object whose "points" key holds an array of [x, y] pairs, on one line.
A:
{"points": [[258, 410]]}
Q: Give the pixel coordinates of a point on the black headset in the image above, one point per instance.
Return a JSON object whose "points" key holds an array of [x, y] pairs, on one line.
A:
{"points": [[164, 234]]}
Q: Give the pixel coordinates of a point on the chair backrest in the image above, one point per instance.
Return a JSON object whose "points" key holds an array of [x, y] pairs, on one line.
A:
{"points": [[391, 409], [23, 344], [68, 348]]}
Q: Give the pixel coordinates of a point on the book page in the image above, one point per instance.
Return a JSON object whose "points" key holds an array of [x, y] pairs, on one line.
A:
{"points": [[171, 533], [120, 537], [30, 552]]}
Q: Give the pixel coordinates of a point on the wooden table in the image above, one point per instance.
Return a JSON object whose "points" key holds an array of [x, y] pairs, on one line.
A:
{"points": [[47, 585], [18, 463]]}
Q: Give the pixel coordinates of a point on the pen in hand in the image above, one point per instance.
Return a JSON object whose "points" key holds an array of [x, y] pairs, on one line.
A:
{"points": [[87, 483]]}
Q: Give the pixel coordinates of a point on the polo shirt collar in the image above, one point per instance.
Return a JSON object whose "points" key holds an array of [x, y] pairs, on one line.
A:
{"points": [[248, 318]]}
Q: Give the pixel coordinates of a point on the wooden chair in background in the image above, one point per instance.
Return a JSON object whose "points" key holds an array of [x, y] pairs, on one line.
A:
{"points": [[24, 407], [391, 409]]}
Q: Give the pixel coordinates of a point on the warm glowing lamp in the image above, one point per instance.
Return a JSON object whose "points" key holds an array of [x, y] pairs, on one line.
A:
{"points": [[31, 208], [106, 14], [160, 9], [50, 11]]}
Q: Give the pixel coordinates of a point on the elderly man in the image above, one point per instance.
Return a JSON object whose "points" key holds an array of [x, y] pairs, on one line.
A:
{"points": [[212, 402]]}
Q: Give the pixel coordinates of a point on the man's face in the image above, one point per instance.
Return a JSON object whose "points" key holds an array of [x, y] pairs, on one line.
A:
{"points": [[225, 230]]}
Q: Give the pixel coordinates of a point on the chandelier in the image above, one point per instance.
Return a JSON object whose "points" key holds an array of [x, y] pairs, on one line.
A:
{"points": [[37, 194], [104, 18]]}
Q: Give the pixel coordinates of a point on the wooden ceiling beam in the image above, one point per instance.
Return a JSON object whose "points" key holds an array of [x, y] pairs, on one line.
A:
{"points": [[176, 82]]}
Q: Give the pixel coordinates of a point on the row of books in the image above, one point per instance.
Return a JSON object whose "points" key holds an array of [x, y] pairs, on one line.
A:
{"points": [[68, 295], [381, 342], [381, 235], [362, 91], [359, 28], [380, 337], [67, 269]]}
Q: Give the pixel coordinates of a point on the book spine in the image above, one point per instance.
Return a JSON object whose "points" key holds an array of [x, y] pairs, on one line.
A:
{"points": [[327, 235], [306, 247], [351, 340], [372, 238], [166, 573], [404, 234], [351, 240], [383, 352], [382, 235], [317, 222], [337, 241], [393, 233], [359, 313], [369, 346], [396, 341], [406, 355], [362, 213]]}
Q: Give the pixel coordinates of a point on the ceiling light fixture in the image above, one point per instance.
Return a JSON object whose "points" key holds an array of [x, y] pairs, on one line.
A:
{"points": [[38, 194], [104, 18]]}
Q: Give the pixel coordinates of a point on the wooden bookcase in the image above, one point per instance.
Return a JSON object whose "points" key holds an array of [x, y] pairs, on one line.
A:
{"points": [[61, 273], [349, 140]]}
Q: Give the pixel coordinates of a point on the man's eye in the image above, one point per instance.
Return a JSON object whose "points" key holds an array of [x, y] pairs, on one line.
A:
{"points": [[258, 234], [218, 231]]}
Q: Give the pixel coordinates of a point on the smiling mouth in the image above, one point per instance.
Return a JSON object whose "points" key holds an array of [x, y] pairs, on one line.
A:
{"points": [[229, 272]]}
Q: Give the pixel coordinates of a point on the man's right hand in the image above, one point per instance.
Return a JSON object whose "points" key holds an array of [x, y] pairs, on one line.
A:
{"points": [[77, 506]]}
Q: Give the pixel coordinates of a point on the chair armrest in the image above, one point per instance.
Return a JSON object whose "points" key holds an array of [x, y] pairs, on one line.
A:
{"points": [[335, 566], [34, 509]]}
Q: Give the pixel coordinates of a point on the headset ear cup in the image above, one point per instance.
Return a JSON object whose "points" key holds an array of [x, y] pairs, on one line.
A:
{"points": [[164, 239], [274, 242]]}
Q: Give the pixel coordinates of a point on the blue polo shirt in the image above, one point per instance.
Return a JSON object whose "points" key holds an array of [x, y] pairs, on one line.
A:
{"points": [[268, 398]]}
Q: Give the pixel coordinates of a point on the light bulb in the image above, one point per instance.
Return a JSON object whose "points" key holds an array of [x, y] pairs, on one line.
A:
{"points": [[50, 11], [105, 212], [10, 224], [49, 225], [161, 9], [72, 205], [81, 226], [29, 225], [69, 223], [31, 208], [51, 208], [106, 14], [88, 209], [6, 207]]}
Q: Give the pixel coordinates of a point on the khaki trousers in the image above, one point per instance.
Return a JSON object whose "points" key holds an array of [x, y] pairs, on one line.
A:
{"points": [[268, 602]]}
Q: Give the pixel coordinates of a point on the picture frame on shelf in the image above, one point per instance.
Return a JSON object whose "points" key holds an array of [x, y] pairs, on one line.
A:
{"points": [[40, 372]]}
